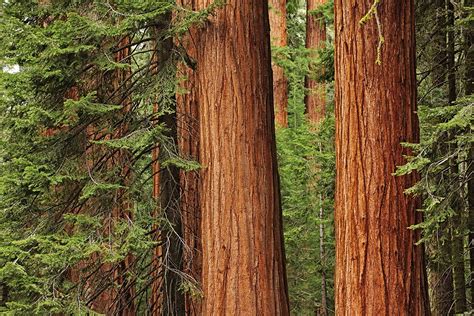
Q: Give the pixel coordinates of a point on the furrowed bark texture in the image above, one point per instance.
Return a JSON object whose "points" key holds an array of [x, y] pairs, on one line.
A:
{"points": [[315, 98], [243, 270], [379, 270], [279, 38]]}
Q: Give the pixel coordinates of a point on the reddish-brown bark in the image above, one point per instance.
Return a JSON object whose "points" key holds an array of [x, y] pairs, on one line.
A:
{"points": [[279, 38], [156, 295], [315, 99], [379, 270], [243, 269]]}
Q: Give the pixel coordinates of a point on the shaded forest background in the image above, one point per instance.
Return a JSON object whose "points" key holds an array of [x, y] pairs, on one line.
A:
{"points": [[97, 160]]}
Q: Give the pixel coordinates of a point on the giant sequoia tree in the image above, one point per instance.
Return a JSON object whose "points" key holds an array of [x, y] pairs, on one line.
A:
{"points": [[243, 265], [379, 270]]}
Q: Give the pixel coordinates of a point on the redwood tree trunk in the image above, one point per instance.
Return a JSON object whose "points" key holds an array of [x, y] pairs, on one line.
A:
{"points": [[315, 98], [279, 38], [243, 270], [157, 292], [379, 270]]}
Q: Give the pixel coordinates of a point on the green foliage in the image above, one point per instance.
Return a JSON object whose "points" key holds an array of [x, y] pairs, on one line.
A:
{"points": [[77, 130], [445, 143], [306, 165]]}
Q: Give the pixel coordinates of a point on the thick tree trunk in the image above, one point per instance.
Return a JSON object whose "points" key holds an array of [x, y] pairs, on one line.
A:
{"points": [[279, 38], [315, 98], [379, 270], [243, 270]]}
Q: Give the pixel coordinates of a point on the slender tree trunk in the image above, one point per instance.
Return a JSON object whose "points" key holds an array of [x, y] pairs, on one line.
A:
{"points": [[157, 291], [469, 44], [322, 255], [471, 220], [441, 278], [168, 297], [460, 304], [469, 77], [439, 70], [188, 140], [451, 63], [279, 38], [173, 245], [123, 296], [243, 270], [315, 98], [379, 270]]}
